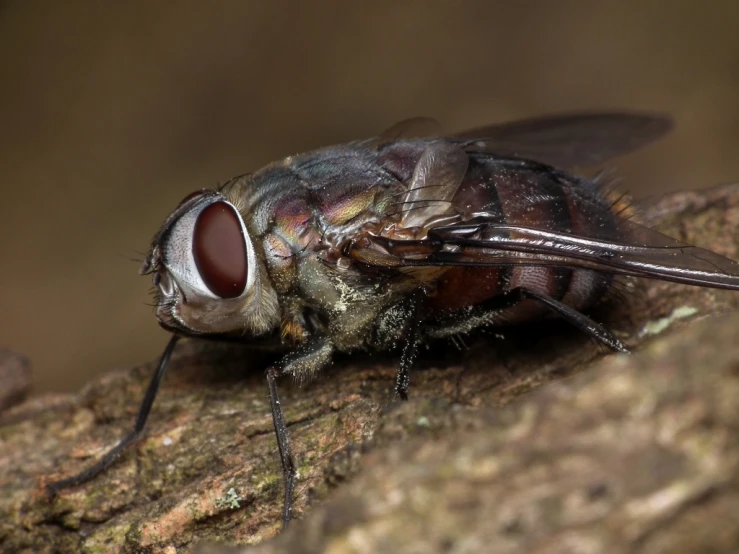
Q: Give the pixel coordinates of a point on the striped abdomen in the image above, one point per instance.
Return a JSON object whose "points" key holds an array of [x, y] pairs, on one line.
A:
{"points": [[527, 194]]}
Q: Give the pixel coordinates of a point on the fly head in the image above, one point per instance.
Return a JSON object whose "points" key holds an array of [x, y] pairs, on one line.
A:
{"points": [[207, 274]]}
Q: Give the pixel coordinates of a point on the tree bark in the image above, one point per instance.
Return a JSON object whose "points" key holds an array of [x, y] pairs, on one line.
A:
{"points": [[533, 440]]}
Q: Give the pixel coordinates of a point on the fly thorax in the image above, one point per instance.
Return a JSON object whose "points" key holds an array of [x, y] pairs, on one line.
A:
{"points": [[349, 302]]}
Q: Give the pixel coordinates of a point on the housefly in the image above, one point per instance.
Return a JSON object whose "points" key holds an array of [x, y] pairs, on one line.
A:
{"points": [[401, 239]]}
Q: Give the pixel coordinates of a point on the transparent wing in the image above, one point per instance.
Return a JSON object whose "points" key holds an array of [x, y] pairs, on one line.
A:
{"points": [[436, 179], [485, 245], [526, 225], [561, 140], [568, 140]]}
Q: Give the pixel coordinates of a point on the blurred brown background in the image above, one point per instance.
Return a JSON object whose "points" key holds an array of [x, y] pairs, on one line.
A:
{"points": [[111, 112]]}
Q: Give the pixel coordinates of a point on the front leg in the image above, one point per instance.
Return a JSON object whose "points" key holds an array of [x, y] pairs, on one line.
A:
{"points": [[138, 428], [303, 362]]}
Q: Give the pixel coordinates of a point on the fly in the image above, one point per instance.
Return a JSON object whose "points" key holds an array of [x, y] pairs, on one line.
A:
{"points": [[433, 235]]}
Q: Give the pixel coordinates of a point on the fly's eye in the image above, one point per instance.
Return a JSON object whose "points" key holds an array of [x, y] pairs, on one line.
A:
{"points": [[220, 251]]}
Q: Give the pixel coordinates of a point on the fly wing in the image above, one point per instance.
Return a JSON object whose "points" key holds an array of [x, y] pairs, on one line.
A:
{"points": [[561, 140], [568, 140], [648, 254], [436, 179], [408, 129], [517, 215], [655, 255]]}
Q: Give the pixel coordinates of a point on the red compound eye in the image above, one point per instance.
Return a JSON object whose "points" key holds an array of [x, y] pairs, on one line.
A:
{"points": [[220, 251]]}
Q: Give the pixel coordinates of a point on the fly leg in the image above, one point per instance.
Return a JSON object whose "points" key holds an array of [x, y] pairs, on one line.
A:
{"points": [[577, 319], [135, 433], [572, 316], [312, 357], [410, 350], [283, 444]]}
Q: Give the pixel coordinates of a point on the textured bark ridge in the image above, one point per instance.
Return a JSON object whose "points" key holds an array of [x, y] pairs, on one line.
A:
{"points": [[502, 447]]}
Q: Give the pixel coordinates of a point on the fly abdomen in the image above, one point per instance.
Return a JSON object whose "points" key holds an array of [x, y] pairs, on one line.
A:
{"points": [[530, 197], [526, 195], [587, 288]]}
